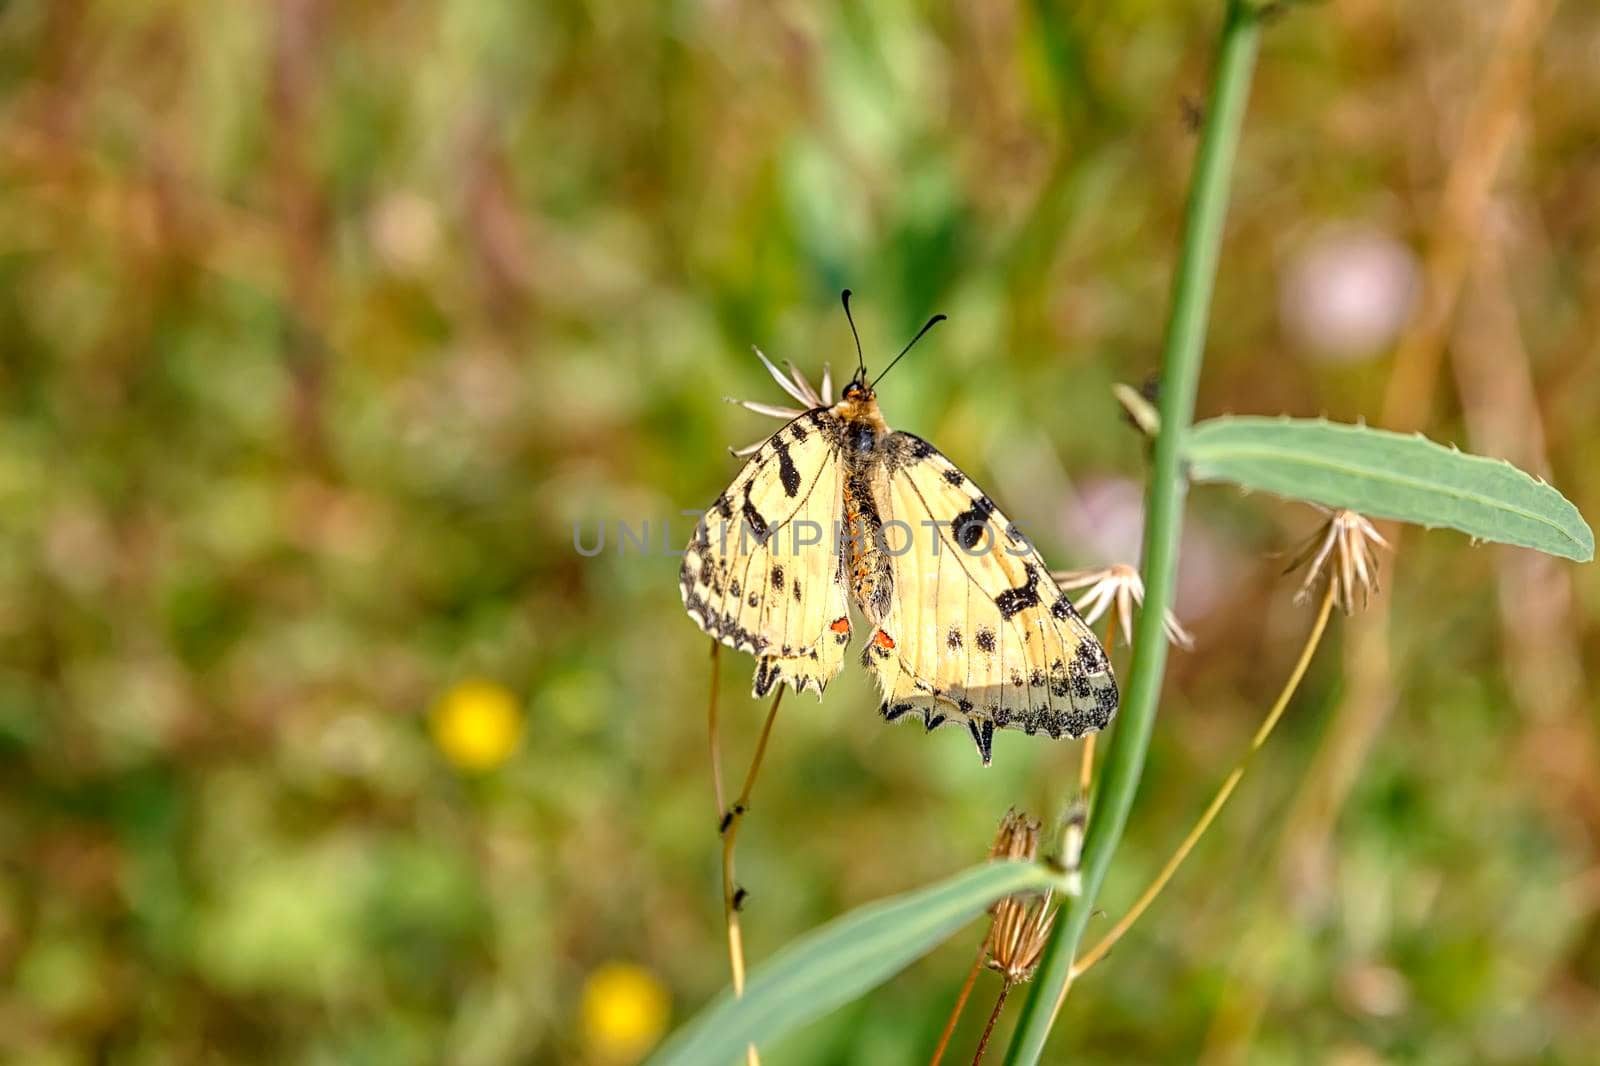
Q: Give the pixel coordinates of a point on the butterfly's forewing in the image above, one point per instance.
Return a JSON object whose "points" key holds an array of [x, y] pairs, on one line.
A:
{"points": [[976, 632], [762, 573]]}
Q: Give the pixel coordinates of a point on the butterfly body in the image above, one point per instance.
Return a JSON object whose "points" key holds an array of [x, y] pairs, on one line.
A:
{"points": [[867, 438], [967, 626]]}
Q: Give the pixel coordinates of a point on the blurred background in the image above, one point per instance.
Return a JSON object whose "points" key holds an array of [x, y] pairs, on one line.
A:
{"points": [[322, 327]]}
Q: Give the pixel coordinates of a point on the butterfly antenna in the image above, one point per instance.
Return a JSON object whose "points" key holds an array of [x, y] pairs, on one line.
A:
{"points": [[861, 362], [934, 321]]}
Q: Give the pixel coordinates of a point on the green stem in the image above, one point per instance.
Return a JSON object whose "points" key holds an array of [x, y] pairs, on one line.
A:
{"points": [[1180, 372]]}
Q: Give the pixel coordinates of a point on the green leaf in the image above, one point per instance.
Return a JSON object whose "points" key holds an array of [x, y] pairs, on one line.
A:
{"points": [[833, 965], [1389, 475]]}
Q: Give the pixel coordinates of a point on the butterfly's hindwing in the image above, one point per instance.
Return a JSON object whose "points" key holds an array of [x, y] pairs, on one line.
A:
{"points": [[763, 572], [976, 631]]}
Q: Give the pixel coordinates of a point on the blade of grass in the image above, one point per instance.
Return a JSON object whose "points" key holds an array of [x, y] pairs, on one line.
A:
{"points": [[845, 958], [1180, 372]]}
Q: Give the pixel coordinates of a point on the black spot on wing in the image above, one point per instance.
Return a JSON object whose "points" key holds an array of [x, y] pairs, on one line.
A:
{"points": [[787, 473], [952, 639], [986, 639], [758, 525], [1012, 601], [1090, 658], [777, 578], [1106, 701], [725, 627], [968, 526], [955, 477], [766, 676], [983, 737]]}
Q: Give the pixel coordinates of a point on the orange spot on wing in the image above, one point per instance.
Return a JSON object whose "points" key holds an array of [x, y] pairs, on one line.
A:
{"points": [[883, 640], [840, 625]]}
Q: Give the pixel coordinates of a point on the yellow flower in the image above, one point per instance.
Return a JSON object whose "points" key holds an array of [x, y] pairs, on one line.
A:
{"points": [[477, 725], [625, 1010]]}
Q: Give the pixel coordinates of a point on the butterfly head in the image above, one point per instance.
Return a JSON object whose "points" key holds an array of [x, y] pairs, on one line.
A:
{"points": [[858, 408]]}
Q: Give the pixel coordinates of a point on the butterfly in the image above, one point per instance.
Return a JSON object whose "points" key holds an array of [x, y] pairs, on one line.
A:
{"points": [[836, 510]]}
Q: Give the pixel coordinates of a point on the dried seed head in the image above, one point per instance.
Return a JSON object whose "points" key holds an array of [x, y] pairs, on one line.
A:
{"points": [[1022, 922], [1017, 837], [1017, 938], [796, 386], [1346, 546], [1117, 586]]}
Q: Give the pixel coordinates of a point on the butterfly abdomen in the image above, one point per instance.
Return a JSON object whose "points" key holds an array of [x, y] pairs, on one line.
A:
{"points": [[871, 570]]}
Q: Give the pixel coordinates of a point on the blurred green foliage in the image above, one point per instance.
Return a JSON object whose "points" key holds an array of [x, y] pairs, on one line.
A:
{"points": [[321, 325]]}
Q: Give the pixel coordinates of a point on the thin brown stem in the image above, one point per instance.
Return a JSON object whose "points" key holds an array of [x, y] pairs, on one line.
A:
{"points": [[988, 1029], [1086, 766], [961, 1004], [1368, 700], [1111, 631], [731, 819], [1094, 954], [711, 732], [761, 750]]}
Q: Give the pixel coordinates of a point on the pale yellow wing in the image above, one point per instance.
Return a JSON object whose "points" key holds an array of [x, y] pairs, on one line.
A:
{"points": [[975, 630], [763, 571]]}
